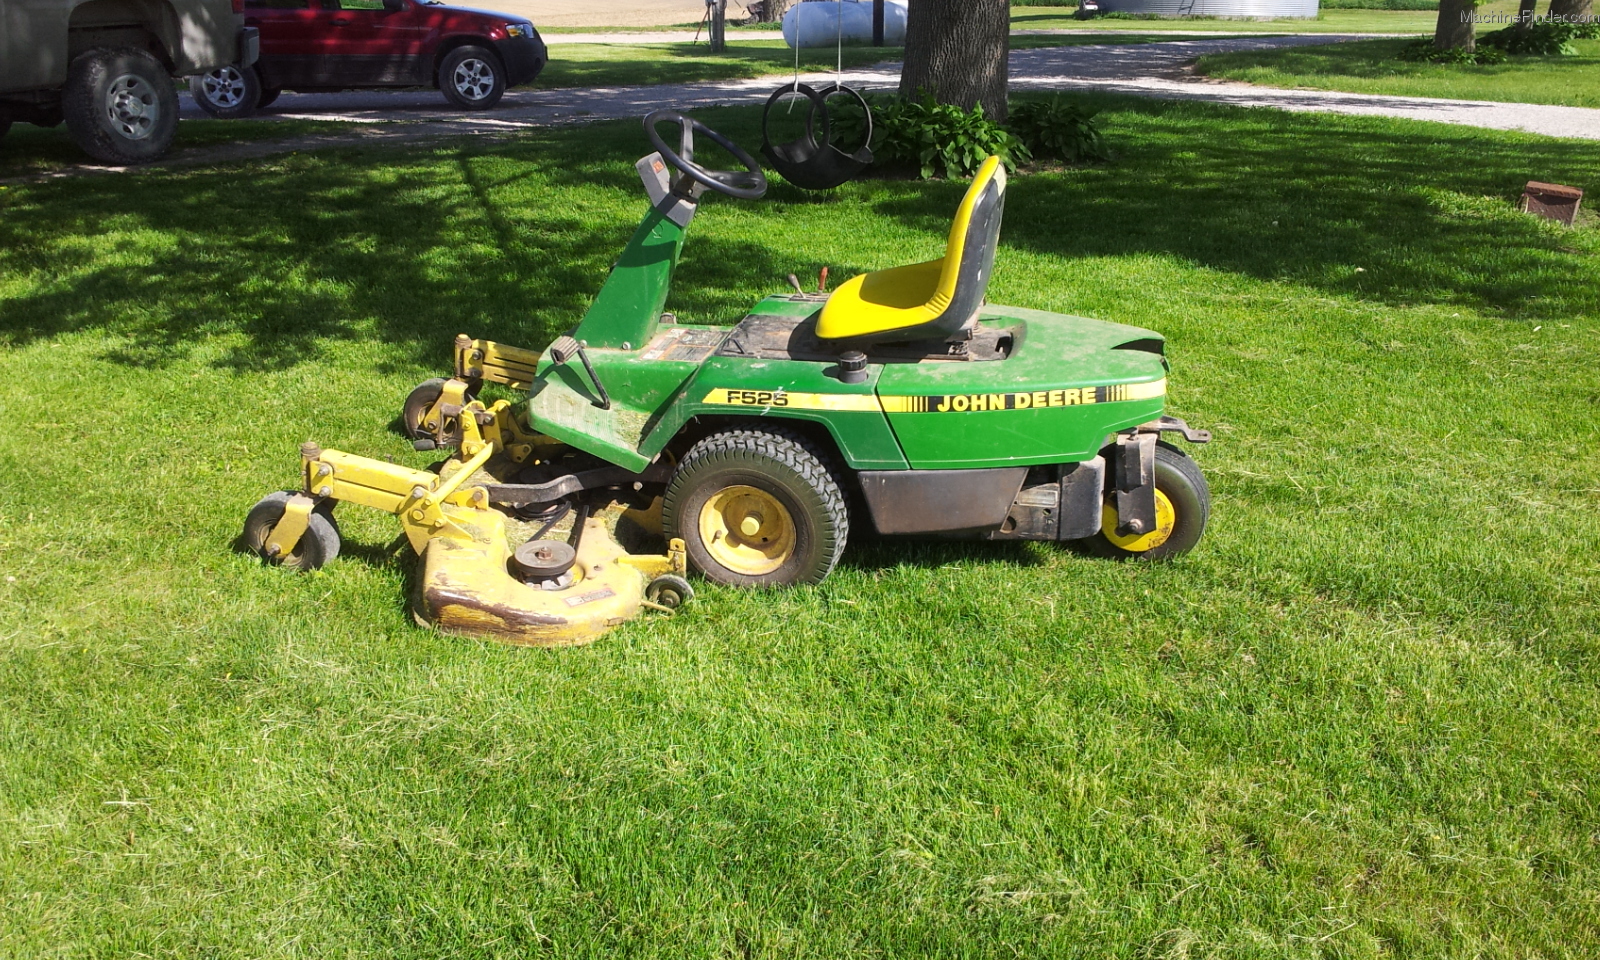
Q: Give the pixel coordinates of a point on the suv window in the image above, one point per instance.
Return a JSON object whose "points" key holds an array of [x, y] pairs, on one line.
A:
{"points": [[352, 4], [276, 4]]}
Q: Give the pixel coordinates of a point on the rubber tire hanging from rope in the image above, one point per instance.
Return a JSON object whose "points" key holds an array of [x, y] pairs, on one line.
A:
{"points": [[808, 162]]}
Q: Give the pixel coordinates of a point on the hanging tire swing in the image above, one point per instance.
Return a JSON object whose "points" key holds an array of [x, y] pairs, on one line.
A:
{"points": [[809, 161]]}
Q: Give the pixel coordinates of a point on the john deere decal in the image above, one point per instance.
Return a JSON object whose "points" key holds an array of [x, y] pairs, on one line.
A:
{"points": [[945, 403]]}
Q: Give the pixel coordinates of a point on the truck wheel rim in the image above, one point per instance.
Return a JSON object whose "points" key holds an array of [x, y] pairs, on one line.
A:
{"points": [[224, 87], [131, 106], [474, 79], [1166, 518], [747, 530]]}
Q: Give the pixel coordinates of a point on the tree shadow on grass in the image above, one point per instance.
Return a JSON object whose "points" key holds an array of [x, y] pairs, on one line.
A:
{"points": [[282, 260], [511, 240], [1425, 213]]}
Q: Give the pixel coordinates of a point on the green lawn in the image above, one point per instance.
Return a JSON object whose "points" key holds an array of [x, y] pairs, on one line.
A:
{"points": [[1369, 66], [1359, 721], [603, 64], [28, 150], [1328, 21]]}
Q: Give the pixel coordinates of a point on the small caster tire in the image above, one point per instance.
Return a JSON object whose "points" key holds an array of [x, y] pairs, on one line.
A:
{"points": [[669, 590], [318, 547], [1183, 504], [418, 402]]}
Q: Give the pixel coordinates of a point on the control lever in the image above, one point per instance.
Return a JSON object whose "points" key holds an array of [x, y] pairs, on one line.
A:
{"points": [[564, 349]]}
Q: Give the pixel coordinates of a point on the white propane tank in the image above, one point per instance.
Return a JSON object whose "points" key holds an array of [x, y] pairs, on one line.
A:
{"points": [[815, 23]]}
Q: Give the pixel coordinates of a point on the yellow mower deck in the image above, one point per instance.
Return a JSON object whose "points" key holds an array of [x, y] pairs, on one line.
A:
{"points": [[465, 589], [466, 586]]}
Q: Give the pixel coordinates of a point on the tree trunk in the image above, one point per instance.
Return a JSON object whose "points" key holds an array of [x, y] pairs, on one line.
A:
{"points": [[956, 50], [1525, 12], [1455, 28], [773, 10], [1573, 11]]}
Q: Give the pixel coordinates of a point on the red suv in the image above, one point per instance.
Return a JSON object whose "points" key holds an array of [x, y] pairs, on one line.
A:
{"points": [[314, 45]]}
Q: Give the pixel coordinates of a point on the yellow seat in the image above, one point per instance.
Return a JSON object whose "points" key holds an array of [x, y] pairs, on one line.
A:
{"points": [[939, 298]]}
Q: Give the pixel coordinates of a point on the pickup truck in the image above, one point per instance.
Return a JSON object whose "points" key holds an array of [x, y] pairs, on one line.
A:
{"points": [[106, 66]]}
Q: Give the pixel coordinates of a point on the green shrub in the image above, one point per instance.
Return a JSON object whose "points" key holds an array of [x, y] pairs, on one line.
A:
{"points": [[1542, 38], [936, 139], [1422, 51], [1058, 129]]}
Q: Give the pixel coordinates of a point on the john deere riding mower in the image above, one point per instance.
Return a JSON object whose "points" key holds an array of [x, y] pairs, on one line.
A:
{"points": [[900, 401]]}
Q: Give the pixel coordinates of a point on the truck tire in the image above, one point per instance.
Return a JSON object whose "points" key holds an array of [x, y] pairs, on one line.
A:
{"points": [[227, 93], [120, 105], [472, 78], [757, 508]]}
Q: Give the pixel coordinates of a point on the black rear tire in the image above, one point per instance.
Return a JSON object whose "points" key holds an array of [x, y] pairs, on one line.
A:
{"points": [[472, 78], [1179, 480], [5, 127], [317, 547], [268, 96], [120, 105], [786, 470], [227, 93]]}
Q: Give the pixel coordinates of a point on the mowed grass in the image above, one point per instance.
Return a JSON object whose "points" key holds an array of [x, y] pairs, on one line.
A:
{"points": [[1359, 721], [631, 64], [746, 57], [1328, 20], [1370, 66], [27, 150]]}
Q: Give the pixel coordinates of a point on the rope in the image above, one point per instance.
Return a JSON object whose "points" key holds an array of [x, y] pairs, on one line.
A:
{"points": [[838, 22], [796, 55]]}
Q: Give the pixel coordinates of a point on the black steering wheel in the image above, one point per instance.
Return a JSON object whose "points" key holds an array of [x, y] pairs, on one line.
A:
{"points": [[747, 184]]}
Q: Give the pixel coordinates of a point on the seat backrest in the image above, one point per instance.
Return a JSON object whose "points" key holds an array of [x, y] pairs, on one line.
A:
{"points": [[969, 257]]}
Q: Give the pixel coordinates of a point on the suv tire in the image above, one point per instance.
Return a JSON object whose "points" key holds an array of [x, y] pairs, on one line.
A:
{"points": [[5, 127], [120, 105], [472, 78], [227, 93]]}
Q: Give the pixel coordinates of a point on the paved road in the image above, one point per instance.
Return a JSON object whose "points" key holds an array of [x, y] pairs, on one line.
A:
{"points": [[1149, 69]]}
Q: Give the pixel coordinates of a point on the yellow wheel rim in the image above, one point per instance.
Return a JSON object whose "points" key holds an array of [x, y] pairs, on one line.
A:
{"points": [[747, 530], [1166, 517]]}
